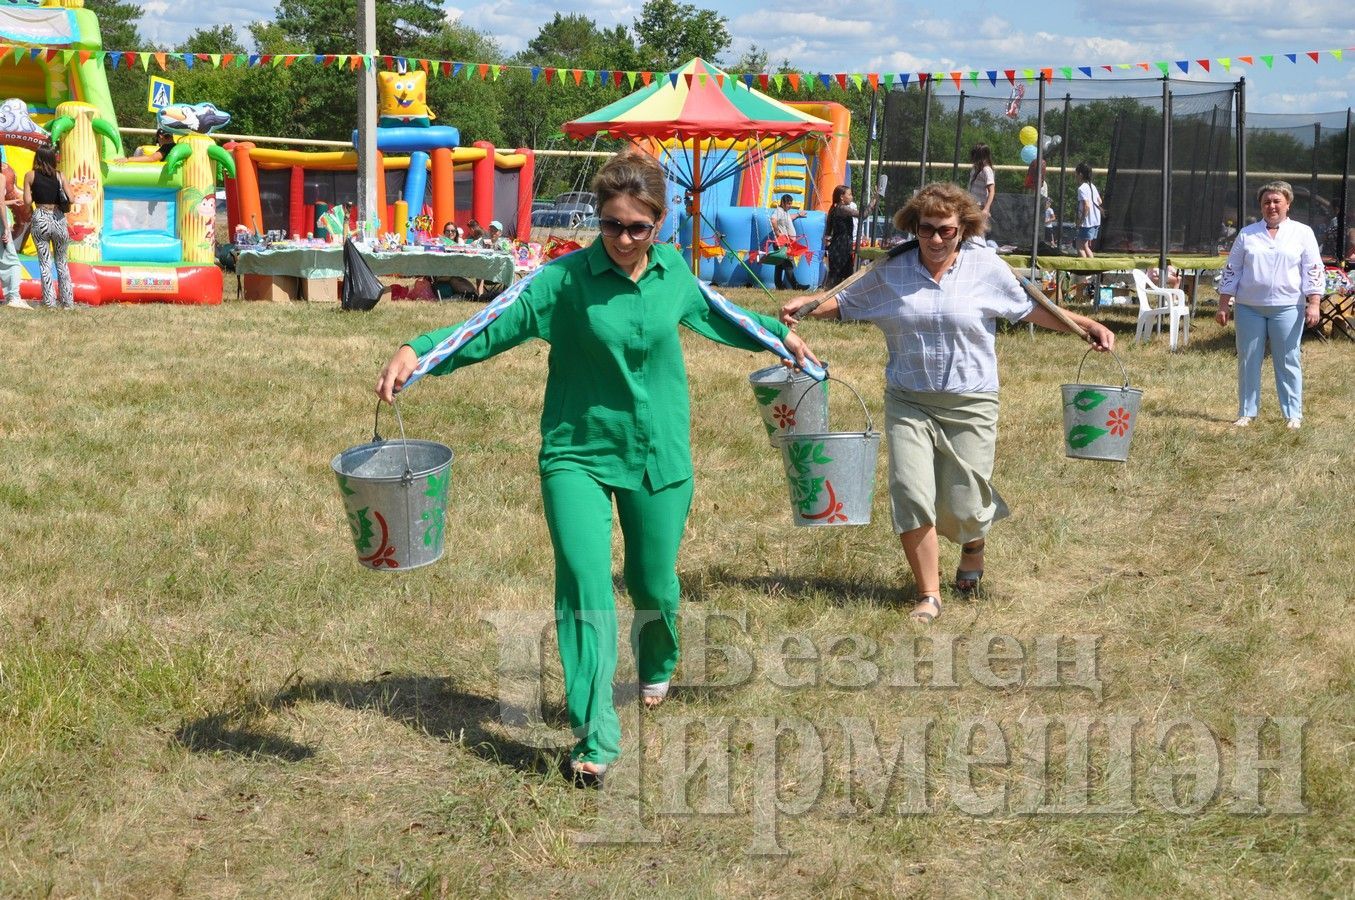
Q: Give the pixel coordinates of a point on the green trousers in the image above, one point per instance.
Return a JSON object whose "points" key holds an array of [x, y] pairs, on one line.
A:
{"points": [[579, 514]]}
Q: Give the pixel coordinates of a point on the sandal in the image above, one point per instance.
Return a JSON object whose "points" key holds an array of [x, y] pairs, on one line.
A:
{"points": [[967, 580], [926, 610], [580, 777], [653, 695]]}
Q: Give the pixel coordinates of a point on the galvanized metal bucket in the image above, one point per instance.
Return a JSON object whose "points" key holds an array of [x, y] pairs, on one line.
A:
{"points": [[789, 402], [395, 497], [831, 474], [1098, 419]]}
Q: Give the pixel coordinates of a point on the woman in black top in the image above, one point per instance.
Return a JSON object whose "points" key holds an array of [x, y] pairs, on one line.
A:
{"points": [[43, 185], [841, 235]]}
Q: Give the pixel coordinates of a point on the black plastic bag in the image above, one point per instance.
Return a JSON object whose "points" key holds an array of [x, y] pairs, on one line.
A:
{"points": [[361, 288]]}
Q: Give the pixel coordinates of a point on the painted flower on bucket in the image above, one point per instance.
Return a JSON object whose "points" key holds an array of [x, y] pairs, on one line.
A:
{"points": [[784, 415], [1118, 421]]}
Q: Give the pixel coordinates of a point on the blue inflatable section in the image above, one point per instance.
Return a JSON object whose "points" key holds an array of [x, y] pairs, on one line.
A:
{"points": [[407, 139]]}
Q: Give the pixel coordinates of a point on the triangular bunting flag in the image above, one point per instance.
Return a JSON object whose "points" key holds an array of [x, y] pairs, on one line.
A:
{"points": [[955, 77], [67, 56], [1203, 64], [590, 75], [1251, 61], [1226, 62], [973, 77], [1028, 74], [1162, 66], [1183, 65], [874, 79], [1269, 61], [145, 60], [48, 55], [457, 67], [827, 81], [794, 79], [483, 70], [188, 59], [354, 61], [536, 72], [630, 80], [857, 79], [673, 77], [604, 76], [423, 64], [159, 60], [1109, 68], [368, 62], [84, 56], [646, 78], [1066, 72], [1313, 55], [1085, 70], [778, 80], [763, 80], [1145, 67], [1336, 53], [747, 79], [577, 75], [550, 73], [720, 80], [992, 77], [840, 78], [1011, 76], [116, 57], [288, 60], [1292, 57], [922, 77], [903, 80]]}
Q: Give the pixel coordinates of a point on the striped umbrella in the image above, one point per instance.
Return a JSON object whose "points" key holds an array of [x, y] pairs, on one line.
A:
{"points": [[699, 104]]}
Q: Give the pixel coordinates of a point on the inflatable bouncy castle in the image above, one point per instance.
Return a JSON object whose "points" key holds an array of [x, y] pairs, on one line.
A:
{"points": [[140, 230], [424, 170]]}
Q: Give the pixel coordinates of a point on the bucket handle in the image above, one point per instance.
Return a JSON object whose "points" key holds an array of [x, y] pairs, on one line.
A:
{"points": [[408, 476], [870, 423], [1089, 352]]}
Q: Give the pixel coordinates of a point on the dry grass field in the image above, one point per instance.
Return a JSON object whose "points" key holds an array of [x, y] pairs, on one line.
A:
{"points": [[203, 694]]}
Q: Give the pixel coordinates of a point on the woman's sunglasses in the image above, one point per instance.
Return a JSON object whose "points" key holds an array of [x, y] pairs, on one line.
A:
{"points": [[638, 231], [945, 232]]}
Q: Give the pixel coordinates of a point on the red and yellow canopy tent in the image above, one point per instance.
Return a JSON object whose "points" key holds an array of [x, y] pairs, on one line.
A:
{"points": [[700, 107]]}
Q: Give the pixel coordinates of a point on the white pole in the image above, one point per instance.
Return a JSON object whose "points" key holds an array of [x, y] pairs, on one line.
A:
{"points": [[367, 168]]}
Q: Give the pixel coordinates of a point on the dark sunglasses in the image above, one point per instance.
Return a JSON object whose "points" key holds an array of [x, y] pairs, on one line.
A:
{"points": [[638, 231], [945, 232]]}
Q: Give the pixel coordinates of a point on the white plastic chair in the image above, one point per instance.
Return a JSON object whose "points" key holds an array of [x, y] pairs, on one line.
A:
{"points": [[1156, 304]]}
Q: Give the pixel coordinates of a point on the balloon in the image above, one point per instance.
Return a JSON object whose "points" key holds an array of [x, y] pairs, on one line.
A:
{"points": [[1028, 136], [1028, 154]]}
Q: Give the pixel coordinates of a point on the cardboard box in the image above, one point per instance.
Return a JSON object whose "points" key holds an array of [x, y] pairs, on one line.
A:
{"points": [[320, 290], [274, 288]]}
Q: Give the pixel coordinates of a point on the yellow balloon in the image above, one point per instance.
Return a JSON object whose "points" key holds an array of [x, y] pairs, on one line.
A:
{"points": [[1028, 136]]}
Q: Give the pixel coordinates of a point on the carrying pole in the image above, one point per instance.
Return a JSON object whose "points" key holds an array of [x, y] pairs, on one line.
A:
{"points": [[368, 171]]}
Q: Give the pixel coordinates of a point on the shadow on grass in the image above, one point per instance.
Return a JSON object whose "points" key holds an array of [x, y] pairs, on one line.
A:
{"points": [[426, 704]]}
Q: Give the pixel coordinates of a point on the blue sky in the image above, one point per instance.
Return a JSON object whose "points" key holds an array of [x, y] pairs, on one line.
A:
{"points": [[835, 36]]}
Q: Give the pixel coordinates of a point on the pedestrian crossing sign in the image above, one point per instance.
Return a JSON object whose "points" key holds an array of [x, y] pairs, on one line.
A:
{"points": [[160, 94]]}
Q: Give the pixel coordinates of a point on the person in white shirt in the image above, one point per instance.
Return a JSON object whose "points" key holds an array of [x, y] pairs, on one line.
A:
{"points": [[783, 235], [982, 181], [1088, 211], [1274, 273], [938, 306]]}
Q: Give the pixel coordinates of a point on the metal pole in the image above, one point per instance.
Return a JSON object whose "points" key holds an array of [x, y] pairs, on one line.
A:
{"points": [[861, 223], [1166, 179], [959, 133], [1037, 221], [926, 127], [1313, 206], [1343, 220], [1241, 150], [368, 171], [1063, 171]]}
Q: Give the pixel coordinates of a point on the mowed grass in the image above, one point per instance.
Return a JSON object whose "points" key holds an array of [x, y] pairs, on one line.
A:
{"points": [[202, 693]]}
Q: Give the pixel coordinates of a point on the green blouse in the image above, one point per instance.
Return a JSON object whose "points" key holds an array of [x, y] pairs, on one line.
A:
{"points": [[616, 404]]}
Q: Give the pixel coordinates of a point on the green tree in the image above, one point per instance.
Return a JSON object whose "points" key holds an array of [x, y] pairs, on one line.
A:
{"points": [[671, 33], [118, 21]]}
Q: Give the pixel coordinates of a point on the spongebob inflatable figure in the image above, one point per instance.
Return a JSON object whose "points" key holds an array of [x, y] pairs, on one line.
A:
{"points": [[403, 99]]}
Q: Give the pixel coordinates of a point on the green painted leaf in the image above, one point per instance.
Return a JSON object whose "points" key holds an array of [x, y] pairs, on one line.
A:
{"points": [[766, 395], [1086, 400], [344, 488], [819, 456], [1083, 435], [361, 526]]}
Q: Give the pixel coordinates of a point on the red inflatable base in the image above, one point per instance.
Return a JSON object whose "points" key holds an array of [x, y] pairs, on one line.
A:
{"points": [[102, 283]]}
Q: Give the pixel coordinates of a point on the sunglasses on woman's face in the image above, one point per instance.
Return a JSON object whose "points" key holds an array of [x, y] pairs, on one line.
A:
{"points": [[945, 232], [638, 231]]}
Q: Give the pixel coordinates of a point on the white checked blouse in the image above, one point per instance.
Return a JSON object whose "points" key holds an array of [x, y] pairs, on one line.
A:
{"points": [[940, 337]]}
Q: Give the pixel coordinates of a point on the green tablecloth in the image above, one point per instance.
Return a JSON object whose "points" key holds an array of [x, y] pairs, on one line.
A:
{"points": [[327, 262]]}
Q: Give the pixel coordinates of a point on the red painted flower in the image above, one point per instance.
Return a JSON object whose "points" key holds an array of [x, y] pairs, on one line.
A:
{"points": [[784, 415], [1118, 421]]}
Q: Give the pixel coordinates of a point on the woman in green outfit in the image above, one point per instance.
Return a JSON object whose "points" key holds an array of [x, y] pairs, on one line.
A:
{"points": [[614, 431]]}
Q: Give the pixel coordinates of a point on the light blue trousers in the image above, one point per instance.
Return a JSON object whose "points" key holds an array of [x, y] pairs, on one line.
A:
{"points": [[11, 270], [1281, 327]]}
